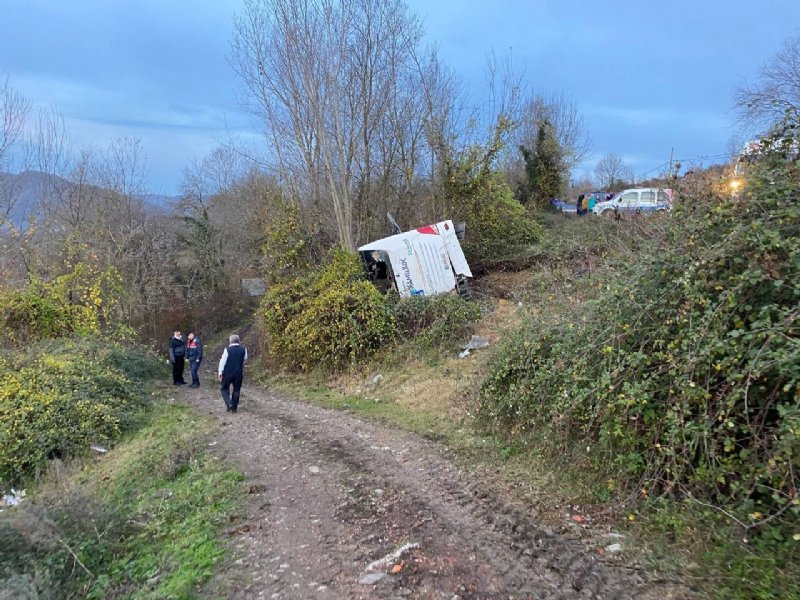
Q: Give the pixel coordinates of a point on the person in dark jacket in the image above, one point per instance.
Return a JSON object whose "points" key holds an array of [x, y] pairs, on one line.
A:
{"points": [[231, 372], [177, 352], [194, 354]]}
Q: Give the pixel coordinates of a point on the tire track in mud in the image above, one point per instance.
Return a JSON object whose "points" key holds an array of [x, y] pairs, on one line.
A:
{"points": [[334, 493]]}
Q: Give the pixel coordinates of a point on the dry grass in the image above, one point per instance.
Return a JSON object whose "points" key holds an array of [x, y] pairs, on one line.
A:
{"points": [[442, 387]]}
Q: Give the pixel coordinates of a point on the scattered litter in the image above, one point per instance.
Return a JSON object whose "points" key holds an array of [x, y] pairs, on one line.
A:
{"points": [[476, 342], [98, 449], [377, 379], [383, 563], [12, 499], [371, 578], [214, 443], [579, 518], [614, 548], [396, 569], [314, 470]]}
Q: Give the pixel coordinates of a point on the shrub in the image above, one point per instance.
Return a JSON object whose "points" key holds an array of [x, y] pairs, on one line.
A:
{"points": [[440, 321], [58, 397], [142, 523], [333, 317], [500, 228], [79, 302], [684, 378]]}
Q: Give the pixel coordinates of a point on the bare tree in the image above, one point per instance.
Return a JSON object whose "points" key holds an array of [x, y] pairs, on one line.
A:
{"points": [[612, 170], [14, 110], [327, 79], [776, 91], [560, 111], [216, 173], [581, 186]]}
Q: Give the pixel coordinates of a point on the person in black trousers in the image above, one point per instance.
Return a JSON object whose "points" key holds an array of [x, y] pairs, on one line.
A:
{"points": [[177, 352], [194, 354], [231, 372]]}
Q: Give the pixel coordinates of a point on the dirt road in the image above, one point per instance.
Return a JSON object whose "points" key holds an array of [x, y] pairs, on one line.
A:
{"points": [[341, 508]]}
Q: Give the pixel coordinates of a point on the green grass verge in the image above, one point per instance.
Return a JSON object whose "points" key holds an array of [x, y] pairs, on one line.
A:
{"points": [[141, 522]]}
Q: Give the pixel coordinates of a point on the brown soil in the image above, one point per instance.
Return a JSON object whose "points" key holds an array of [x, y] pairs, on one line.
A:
{"points": [[329, 494]]}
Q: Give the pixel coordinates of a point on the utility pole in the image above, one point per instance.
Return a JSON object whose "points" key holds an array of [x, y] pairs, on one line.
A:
{"points": [[671, 151]]}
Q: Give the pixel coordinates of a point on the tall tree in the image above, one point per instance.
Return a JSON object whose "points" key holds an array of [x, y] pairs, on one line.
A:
{"points": [[544, 167], [14, 110], [775, 93], [332, 81], [559, 111], [612, 171]]}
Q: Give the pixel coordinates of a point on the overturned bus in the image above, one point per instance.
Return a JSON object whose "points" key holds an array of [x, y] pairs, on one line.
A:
{"points": [[421, 262]]}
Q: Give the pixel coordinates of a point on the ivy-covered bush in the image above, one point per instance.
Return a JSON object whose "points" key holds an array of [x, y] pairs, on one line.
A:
{"points": [[332, 317], [442, 321], [60, 396], [499, 227], [683, 378]]}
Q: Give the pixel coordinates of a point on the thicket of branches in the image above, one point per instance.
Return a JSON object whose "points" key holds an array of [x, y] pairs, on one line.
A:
{"points": [[360, 118]]}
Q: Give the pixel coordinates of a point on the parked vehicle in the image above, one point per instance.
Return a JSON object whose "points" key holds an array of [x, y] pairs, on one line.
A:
{"points": [[562, 206], [636, 200], [421, 262]]}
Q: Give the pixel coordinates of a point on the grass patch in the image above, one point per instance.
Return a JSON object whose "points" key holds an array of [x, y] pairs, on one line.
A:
{"points": [[140, 522]]}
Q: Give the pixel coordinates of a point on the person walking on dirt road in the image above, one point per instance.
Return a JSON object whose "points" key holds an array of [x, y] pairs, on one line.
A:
{"points": [[231, 372]]}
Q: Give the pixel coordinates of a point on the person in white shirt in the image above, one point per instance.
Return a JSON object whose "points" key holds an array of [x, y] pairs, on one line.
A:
{"points": [[231, 372]]}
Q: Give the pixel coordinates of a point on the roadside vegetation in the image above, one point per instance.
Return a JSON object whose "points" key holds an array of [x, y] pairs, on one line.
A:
{"points": [[141, 521], [652, 362], [677, 384], [646, 369], [112, 493]]}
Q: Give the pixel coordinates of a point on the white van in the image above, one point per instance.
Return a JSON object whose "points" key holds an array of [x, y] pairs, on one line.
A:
{"points": [[421, 262], [636, 200]]}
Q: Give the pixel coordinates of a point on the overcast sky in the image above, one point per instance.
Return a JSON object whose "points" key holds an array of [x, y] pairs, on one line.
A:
{"points": [[647, 76]]}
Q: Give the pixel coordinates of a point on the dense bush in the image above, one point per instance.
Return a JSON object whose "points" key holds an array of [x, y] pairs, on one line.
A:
{"points": [[78, 302], [440, 322], [58, 397], [332, 317], [684, 377], [499, 228]]}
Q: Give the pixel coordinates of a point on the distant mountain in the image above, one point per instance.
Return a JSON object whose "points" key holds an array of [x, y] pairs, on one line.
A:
{"points": [[25, 190], [160, 201]]}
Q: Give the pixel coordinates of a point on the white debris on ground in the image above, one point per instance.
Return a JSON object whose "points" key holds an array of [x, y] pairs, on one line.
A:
{"points": [[98, 449], [476, 342], [376, 570], [12, 499]]}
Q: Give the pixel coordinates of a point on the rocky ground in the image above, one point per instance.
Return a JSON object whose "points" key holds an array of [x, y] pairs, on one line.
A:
{"points": [[341, 508]]}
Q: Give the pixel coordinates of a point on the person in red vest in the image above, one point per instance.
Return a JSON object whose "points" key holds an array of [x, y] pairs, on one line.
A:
{"points": [[194, 355]]}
